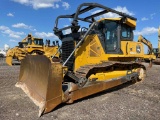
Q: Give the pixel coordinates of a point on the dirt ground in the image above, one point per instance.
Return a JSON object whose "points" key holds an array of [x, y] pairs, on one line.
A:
{"points": [[140, 101]]}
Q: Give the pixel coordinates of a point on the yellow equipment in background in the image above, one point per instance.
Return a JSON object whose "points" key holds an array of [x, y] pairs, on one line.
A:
{"points": [[156, 51], [30, 46], [93, 59], [149, 45]]}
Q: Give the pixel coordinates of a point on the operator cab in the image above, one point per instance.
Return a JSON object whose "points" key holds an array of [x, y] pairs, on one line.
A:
{"points": [[155, 51], [36, 41], [114, 31]]}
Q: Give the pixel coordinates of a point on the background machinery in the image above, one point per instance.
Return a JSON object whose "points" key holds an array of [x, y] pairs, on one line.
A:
{"points": [[30, 46], [93, 59], [156, 51], [149, 45]]}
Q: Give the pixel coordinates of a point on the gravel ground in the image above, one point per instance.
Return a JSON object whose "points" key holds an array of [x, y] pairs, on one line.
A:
{"points": [[139, 101]]}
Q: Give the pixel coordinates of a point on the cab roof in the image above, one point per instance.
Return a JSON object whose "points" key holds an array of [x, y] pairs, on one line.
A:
{"points": [[128, 21]]}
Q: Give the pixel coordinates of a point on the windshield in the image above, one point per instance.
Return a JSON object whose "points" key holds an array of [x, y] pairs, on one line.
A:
{"points": [[38, 41], [23, 44], [29, 41], [111, 40]]}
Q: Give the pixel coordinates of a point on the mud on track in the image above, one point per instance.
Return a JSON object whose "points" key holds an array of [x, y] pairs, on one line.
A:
{"points": [[129, 101]]}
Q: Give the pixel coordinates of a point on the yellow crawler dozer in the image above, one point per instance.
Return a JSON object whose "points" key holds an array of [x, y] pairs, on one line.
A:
{"points": [[30, 46], [93, 59]]}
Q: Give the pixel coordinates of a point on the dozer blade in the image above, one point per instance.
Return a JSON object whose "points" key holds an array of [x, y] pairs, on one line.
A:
{"points": [[41, 80], [9, 60]]}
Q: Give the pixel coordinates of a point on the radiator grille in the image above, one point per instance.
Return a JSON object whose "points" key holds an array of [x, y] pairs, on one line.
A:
{"points": [[67, 48]]}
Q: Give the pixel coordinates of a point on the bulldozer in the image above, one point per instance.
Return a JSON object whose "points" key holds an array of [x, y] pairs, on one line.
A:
{"points": [[31, 46], [93, 59], [156, 51]]}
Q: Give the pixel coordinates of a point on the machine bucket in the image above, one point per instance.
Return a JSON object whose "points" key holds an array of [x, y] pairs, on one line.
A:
{"points": [[41, 80], [9, 60]]}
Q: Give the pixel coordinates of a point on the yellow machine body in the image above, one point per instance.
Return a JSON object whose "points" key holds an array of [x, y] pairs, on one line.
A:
{"points": [[156, 51], [91, 52]]}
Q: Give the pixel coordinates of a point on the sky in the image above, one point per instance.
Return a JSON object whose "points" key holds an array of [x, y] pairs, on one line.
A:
{"points": [[18, 18]]}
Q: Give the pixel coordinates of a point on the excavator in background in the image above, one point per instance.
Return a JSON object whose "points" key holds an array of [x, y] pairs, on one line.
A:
{"points": [[156, 51], [149, 45], [31, 46], [93, 59]]}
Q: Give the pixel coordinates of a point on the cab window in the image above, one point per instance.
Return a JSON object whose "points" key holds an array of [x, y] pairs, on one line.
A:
{"points": [[38, 41], [111, 40], [126, 32], [29, 41]]}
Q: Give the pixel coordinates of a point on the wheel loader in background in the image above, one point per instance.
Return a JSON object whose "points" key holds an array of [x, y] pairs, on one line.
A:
{"points": [[31, 46], [93, 59], [156, 51]]}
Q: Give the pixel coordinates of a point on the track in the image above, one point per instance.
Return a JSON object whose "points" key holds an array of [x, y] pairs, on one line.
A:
{"points": [[130, 101], [91, 69]]}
